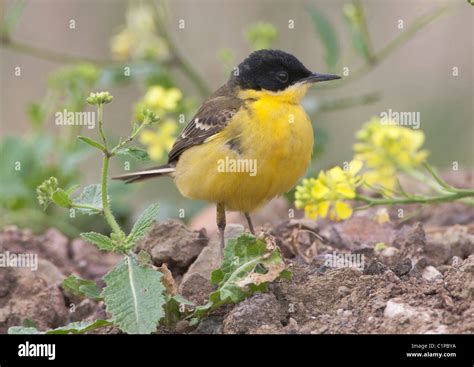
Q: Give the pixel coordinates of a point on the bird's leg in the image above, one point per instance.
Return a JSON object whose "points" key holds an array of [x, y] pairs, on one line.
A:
{"points": [[249, 221], [221, 223]]}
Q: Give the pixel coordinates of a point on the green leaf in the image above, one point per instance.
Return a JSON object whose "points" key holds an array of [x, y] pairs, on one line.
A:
{"points": [[72, 189], [23, 330], [134, 152], [134, 296], [81, 287], [143, 224], [355, 21], [73, 328], [91, 142], [102, 242], [91, 195], [328, 36], [249, 265], [36, 114], [12, 16], [61, 198]]}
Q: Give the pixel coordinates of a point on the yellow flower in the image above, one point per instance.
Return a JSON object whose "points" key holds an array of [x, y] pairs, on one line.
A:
{"points": [[327, 195], [139, 39], [121, 45], [159, 98], [159, 142], [387, 148]]}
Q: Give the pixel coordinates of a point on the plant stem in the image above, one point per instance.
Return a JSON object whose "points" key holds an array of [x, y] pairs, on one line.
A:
{"points": [[377, 57], [86, 206], [127, 140], [48, 55], [105, 169], [183, 64], [414, 199], [101, 128], [105, 203]]}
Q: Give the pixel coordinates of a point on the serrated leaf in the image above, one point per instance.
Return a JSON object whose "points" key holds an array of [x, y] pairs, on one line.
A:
{"points": [[73, 328], [249, 265], [90, 195], [134, 296], [81, 287], [91, 142], [327, 35], [102, 242], [80, 327], [72, 189], [23, 330], [134, 152], [143, 224], [61, 198]]}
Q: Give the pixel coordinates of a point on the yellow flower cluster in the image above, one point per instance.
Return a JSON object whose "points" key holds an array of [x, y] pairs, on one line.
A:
{"points": [[160, 141], [386, 149], [162, 102], [326, 195], [160, 99], [138, 40]]}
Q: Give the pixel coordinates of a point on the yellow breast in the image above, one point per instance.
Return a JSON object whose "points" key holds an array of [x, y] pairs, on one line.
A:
{"points": [[262, 153]]}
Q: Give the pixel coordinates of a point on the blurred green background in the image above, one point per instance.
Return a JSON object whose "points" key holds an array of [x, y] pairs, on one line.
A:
{"points": [[407, 69]]}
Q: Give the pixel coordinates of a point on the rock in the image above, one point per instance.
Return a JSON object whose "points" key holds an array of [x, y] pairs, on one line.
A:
{"points": [[55, 247], [260, 312], [343, 290], [430, 273], [359, 232], [403, 267], [460, 281], [396, 309], [389, 252], [29, 296], [196, 285], [439, 329], [182, 326], [454, 241], [173, 243], [196, 288], [375, 267], [90, 262], [209, 325]]}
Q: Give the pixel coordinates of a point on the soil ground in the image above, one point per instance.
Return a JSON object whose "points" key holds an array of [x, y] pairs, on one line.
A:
{"points": [[414, 277]]}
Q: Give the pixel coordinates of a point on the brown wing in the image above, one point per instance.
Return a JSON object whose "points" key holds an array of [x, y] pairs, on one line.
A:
{"points": [[212, 117]]}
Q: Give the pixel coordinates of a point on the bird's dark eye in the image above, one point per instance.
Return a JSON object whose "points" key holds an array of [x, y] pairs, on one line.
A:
{"points": [[282, 76]]}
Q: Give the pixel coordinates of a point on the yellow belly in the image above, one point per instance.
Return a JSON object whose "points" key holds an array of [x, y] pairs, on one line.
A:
{"points": [[275, 143]]}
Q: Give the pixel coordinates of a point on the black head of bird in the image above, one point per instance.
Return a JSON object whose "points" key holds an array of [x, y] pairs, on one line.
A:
{"points": [[274, 70]]}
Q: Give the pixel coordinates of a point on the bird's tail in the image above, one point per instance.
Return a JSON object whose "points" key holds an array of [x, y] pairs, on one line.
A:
{"points": [[166, 170]]}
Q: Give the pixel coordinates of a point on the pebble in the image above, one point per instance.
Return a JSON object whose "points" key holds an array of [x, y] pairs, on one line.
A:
{"points": [[430, 273]]}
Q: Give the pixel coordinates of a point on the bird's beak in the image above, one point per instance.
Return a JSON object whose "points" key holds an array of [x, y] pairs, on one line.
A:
{"points": [[316, 77]]}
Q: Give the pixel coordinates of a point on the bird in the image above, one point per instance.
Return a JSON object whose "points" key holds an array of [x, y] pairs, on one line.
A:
{"points": [[249, 142]]}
